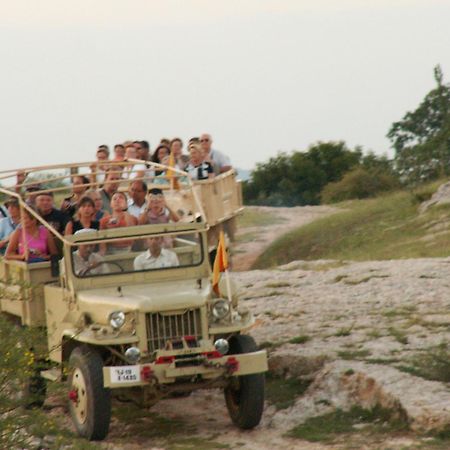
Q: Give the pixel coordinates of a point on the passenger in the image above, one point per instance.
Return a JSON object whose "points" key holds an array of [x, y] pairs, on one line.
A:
{"points": [[157, 211], [10, 223], [31, 194], [119, 217], [165, 142], [197, 168], [142, 150], [155, 257], [32, 243], [220, 162], [119, 152], [53, 216], [86, 260], [176, 148], [79, 187], [85, 217], [99, 168], [110, 187], [162, 177], [97, 199], [136, 170], [137, 203], [158, 155]]}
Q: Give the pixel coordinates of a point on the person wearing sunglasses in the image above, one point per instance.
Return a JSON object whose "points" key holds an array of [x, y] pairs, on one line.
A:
{"points": [[220, 162]]}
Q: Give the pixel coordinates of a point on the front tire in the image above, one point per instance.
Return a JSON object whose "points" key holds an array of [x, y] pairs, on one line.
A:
{"points": [[89, 401], [244, 396]]}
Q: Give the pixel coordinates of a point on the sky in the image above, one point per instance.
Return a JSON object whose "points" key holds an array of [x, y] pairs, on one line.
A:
{"points": [[261, 76]]}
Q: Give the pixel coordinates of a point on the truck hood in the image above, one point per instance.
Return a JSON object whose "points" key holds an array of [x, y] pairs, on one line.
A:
{"points": [[152, 297]]}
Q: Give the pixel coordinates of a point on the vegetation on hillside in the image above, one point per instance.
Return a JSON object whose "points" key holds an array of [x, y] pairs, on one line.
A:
{"points": [[386, 227]]}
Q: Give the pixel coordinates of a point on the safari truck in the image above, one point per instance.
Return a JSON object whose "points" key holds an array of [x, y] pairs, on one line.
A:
{"points": [[119, 325]]}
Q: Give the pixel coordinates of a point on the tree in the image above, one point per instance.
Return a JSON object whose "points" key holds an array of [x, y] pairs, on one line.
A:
{"points": [[421, 140], [298, 178]]}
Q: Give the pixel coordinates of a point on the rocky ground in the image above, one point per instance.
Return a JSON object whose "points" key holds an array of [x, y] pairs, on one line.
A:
{"points": [[367, 334]]}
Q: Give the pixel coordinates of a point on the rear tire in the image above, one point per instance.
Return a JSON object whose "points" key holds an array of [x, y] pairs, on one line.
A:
{"points": [[89, 401], [244, 396]]}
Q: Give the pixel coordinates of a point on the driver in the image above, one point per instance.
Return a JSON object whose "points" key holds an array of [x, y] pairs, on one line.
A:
{"points": [[156, 257], [86, 260]]}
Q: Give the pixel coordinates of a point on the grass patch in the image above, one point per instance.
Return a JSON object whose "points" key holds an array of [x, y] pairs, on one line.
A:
{"points": [[282, 393], [353, 354], [302, 339], [328, 427], [251, 217], [431, 364], [344, 331], [386, 227], [399, 335]]}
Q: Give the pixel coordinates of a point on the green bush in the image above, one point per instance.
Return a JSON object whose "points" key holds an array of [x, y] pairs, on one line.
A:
{"points": [[358, 183]]}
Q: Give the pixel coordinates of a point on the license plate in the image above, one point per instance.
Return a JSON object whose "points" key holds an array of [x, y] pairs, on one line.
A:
{"points": [[125, 374]]}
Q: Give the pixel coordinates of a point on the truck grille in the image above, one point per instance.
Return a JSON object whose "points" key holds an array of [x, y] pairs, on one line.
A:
{"points": [[162, 328]]}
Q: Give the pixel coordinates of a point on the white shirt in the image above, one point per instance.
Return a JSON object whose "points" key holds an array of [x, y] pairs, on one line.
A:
{"points": [[82, 266], [219, 159], [134, 209], [145, 261]]}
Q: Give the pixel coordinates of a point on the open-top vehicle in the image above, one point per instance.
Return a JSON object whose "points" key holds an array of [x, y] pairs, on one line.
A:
{"points": [[120, 325]]}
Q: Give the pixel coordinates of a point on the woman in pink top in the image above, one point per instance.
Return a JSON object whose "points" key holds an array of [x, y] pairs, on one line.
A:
{"points": [[31, 242]]}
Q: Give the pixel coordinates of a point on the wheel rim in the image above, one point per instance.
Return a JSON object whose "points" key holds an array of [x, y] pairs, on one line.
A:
{"points": [[79, 404]]}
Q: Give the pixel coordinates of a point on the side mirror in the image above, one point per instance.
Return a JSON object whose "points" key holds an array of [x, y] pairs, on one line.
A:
{"points": [[54, 265]]}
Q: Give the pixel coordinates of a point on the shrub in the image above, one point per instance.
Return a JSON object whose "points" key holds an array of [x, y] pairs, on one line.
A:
{"points": [[358, 183]]}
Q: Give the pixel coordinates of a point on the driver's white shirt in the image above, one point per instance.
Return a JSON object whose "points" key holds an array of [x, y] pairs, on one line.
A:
{"points": [[80, 264], [146, 261]]}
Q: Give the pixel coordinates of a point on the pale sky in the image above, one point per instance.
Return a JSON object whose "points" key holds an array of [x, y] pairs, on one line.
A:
{"points": [[261, 76]]}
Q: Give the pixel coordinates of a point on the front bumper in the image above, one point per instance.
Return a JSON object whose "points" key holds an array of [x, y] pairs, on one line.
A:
{"points": [[162, 372]]}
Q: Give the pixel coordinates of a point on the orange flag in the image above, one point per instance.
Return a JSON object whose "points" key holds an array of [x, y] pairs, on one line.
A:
{"points": [[220, 263], [171, 176]]}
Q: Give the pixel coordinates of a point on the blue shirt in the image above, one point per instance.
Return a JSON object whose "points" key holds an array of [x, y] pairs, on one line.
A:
{"points": [[7, 226]]}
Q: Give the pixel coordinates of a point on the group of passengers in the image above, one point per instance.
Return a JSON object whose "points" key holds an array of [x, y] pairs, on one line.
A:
{"points": [[201, 163], [107, 207]]}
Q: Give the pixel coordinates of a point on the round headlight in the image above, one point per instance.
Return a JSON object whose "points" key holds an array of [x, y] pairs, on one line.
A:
{"points": [[117, 319], [133, 354], [222, 346], [220, 309]]}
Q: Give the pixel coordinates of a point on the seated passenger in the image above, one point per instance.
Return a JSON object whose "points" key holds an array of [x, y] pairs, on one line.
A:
{"points": [[156, 257], [79, 187], [99, 168], [9, 223], [197, 168], [157, 211], [138, 170], [137, 202], [32, 243], [119, 217], [86, 260], [54, 217], [110, 187], [85, 217], [158, 155], [98, 202], [220, 162], [176, 147]]}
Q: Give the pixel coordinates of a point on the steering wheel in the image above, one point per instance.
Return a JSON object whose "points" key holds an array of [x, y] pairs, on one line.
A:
{"points": [[86, 271]]}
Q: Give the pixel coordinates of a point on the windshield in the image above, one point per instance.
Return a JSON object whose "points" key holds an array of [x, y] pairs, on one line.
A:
{"points": [[130, 255]]}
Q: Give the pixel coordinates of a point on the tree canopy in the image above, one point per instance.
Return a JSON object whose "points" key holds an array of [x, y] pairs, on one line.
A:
{"points": [[421, 140], [298, 178]]}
